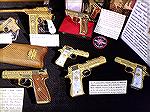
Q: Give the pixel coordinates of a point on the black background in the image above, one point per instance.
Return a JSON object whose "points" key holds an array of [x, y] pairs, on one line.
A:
{"points": [[59, 87]]}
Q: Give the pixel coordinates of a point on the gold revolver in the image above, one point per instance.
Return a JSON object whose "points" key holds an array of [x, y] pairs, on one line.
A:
{"points": [[138, 71], [77, 72]]}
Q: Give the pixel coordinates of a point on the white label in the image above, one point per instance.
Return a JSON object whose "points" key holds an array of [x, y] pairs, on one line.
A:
{"points": [[110, 24], [6, 38], [11, 99], [45, 40], [107, 87], [135, 33]]}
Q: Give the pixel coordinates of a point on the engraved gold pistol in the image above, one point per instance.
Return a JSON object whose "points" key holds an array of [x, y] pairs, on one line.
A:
{"points": [[10, 25], [138, 71], [35, 15], [81, 18], [77, 72], [69, 52], [31, 78]]}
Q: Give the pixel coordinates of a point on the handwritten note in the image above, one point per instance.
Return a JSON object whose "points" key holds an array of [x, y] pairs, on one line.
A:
{"points": [[11, 99]]}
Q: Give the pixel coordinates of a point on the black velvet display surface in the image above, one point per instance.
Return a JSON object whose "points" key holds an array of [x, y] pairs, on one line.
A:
{"points": [[59, 87]]}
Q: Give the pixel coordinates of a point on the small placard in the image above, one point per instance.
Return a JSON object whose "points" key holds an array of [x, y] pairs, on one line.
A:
{"points": [[11, 99], [6, 38], [110, 24], [107, 87], [45, 40]]}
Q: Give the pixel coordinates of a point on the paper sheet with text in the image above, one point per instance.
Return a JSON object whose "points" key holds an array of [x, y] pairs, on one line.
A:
{"points": [[11, 99], [137, 30], [110, 24]]}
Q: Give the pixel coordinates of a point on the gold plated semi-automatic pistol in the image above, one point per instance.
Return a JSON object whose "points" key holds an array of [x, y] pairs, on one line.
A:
{"points": [[77, 72], [138, 71], [69, 52], [31, 78]]}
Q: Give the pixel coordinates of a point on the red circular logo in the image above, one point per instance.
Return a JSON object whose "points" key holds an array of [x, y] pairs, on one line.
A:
{"points": [[99, 42]]}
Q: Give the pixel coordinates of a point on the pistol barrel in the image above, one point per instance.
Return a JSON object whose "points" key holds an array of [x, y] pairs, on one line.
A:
{"points": [[125, 62], [16, 74], [95, 62]]}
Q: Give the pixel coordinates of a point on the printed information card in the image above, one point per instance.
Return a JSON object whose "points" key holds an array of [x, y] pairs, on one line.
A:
{"points": [[110, 24], [45, 40], [107, 87], [137, 29], [11, 99]]}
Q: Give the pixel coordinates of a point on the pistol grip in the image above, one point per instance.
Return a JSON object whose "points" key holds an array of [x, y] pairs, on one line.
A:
{"points": [[33, 23], [61, 60], [137, 81], [84, 26], [76, 84], [41, 92], [94, 13]]}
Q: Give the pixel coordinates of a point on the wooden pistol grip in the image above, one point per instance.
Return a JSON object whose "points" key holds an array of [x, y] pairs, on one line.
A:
{"points": [[41, 92], [95, 12], [84, 26], [23, 55]]}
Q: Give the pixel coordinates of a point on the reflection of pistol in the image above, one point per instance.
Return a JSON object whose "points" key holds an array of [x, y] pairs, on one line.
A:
{"points": [[138, 71], [10, 25], [31, 78], [34, 16], [77, 72], [94, 9], [81, 18], [23, 54], [69, 52]]}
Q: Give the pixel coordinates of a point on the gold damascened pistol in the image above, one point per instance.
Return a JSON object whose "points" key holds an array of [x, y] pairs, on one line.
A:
{"points": [[81, 18], [69, 52], [31, 78], [35, 16], [138, 71], [77, 72]]}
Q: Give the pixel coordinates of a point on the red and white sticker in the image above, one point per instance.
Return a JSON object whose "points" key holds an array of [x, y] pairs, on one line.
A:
{"points": [[99, 42]]}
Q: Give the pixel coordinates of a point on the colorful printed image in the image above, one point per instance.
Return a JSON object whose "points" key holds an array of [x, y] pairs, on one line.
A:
{"points": [[122, 6]]}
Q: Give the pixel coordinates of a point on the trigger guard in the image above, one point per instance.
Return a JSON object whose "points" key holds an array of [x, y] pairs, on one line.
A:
{"points": [[131, 70], [73, 56], [87, 74]]}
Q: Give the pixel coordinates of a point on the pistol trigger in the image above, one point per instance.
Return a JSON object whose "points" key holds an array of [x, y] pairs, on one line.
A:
{"points": [[66, 76]]}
